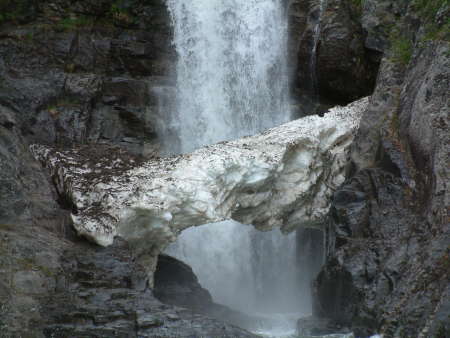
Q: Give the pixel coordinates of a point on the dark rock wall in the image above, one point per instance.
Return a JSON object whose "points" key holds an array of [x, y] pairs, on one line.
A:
{"points": [[51, 287], [176, 283], [83, 72], [27, 197], [387, 269], [344, 68], [300, 44]]}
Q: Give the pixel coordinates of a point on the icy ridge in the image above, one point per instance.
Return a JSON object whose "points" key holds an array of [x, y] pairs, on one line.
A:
{"points": [[282, 177]]}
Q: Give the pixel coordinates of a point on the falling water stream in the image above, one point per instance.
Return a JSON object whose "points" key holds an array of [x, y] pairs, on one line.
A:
{"points": [[232, 82], [316, 39], [231, 71]]}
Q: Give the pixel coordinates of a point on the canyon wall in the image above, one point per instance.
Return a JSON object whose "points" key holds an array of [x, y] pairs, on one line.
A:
{"points": [[388, 256]]}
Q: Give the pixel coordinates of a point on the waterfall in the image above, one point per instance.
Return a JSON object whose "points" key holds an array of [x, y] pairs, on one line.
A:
{"points": [[231, 70], [232, 82], [313, 56]]}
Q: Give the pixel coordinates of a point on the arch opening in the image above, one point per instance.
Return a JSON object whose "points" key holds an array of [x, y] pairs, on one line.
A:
{"points": [[259, 276]]}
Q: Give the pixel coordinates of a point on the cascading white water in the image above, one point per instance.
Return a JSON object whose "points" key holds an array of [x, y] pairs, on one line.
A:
{"points": [[232, 82], [231, 71]]}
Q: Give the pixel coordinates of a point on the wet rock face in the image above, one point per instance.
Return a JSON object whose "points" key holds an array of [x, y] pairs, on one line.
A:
{"points": [[337, 296], [29, 272], [300, 43], [54, 288], [377, 19], [389, 229], [175, 283], [81, 72], [386, 266], [111, 298], [27, 196], [365, 214], [344, 67], [315, 326]]}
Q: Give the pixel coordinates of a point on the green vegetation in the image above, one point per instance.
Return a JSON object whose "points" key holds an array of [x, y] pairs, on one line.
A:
{"points": [[401, 47], [56, 106], [428, 11], [357, 3], [6, 227], [120, 14], [434, 22], [436, 32], [356, 8], [70, 24], [27, 264]]}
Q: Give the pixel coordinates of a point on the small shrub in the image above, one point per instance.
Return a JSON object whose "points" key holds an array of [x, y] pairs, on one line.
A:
{"points": [[428, 11], [120, 14], [435, 32], [356, 6], [401, 47]]}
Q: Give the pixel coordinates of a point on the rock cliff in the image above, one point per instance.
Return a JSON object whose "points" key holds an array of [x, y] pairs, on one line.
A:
{"points": [[86, 71], [387, 269]]}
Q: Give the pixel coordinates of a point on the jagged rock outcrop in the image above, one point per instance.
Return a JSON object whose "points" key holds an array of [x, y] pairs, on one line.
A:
{"points": [[389, 231], [300, 46], [282, 177], [52, 287]]}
